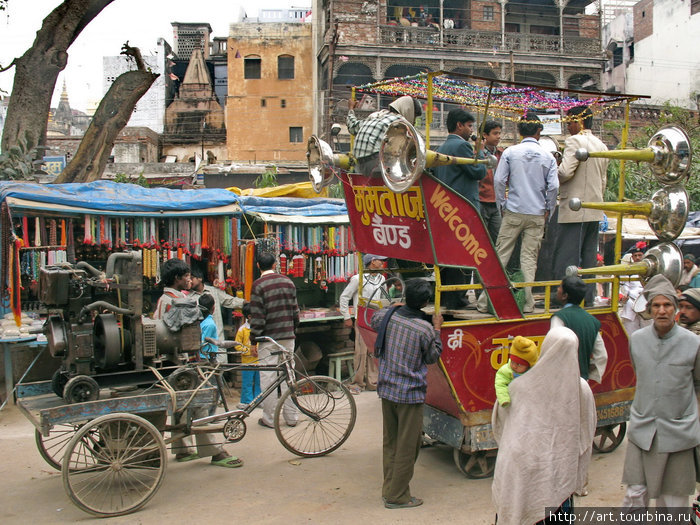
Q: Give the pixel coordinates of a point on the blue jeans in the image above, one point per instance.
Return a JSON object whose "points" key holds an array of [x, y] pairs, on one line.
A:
{"points": [[250, 385]]}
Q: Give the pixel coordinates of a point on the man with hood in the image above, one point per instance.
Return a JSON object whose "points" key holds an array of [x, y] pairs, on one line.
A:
{"points": [[370, 132], [689, 310], [663, 429]]}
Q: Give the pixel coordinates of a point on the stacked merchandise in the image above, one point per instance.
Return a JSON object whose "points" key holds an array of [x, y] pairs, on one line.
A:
{"points": [[34, 242]]}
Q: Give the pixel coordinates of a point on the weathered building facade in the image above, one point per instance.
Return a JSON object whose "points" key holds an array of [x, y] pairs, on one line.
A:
{"points": [[543, 42], [270, 91], [650, 52], [194, 121]]}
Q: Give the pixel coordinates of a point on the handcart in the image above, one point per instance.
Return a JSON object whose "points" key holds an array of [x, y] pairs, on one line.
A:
{"points": [[112, 451], [408, 215]]}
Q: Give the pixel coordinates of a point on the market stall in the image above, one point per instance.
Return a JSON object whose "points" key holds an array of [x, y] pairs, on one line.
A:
{"points": [[215, 230]]}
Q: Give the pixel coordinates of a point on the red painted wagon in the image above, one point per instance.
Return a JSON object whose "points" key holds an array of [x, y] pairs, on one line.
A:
{"points": [[411, 217]]}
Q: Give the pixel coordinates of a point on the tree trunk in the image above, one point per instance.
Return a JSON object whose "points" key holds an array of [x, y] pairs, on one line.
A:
{"points": [[37, 70], [111, 116]]}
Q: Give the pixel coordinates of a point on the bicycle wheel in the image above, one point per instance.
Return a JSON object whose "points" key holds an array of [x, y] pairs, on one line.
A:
{"points": [[52, 447], [114, 465], [327, 415]]}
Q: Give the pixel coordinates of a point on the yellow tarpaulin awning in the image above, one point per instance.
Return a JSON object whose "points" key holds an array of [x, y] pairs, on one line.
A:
{"points": [[301, 190]]}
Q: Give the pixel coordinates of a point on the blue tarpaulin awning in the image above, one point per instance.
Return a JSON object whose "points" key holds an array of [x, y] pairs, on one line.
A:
{"points": [[120, 199]]}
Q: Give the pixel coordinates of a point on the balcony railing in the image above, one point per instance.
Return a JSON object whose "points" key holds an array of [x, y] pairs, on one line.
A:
{"points": [[488, 40]]}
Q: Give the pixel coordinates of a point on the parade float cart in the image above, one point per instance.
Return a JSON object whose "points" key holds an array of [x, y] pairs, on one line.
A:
{"points": [[410, 216]]}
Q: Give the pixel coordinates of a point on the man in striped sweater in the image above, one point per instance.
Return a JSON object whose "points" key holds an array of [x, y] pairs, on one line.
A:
{"points": [[273, 313]]}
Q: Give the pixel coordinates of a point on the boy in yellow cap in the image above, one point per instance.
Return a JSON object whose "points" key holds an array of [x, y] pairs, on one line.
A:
{"points": [[523, 355]]}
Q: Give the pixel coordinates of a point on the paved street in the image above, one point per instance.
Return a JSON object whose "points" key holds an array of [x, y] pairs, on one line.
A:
{"points": [[275, 486]]}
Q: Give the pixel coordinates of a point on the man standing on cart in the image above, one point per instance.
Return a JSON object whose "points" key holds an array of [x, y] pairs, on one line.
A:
{"points": [[370, 132], [530, 175], [464, 180], [576, 242], [274, 313]]}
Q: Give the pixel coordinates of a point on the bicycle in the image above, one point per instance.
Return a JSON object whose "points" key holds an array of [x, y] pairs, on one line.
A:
{"points": [[327, 410]]}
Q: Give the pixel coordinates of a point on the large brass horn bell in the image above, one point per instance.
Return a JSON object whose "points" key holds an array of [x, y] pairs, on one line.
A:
{"points": [[403, 157], [665, 259], [666, 212], [322, 160], [552, 145], [668, 152]]}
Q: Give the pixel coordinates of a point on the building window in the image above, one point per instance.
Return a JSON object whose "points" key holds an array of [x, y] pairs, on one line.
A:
{"points": [[263, 102], [296, 134], [694, 7], [488, 13], [283, 103], [617, 56], [285, 67], [252, 67]]}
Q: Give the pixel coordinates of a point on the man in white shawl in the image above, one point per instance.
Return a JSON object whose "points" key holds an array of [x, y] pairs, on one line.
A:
{"points": [[663, 429], [545, 436]]}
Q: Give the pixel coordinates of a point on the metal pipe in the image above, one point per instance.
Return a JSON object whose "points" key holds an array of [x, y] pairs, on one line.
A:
{"points": [[90, 268], [102, 304], [112, 260]]}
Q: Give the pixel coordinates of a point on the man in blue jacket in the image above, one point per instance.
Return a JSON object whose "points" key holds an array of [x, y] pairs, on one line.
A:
{"points": [[462, 178]]}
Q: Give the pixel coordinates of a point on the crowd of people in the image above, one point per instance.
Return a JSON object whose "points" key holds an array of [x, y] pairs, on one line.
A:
{"points": [[541, 390]]}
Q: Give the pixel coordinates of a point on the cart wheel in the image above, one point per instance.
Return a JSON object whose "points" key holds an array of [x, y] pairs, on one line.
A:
{"points": [[58, 382], [117, 473], [79, 389], [234, 429], [51, 448], [609, 437], [476, 465], [183, 379], [326, 413]]}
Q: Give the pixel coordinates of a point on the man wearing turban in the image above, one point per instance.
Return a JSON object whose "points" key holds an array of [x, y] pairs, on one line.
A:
{"points": [[663, 429]]}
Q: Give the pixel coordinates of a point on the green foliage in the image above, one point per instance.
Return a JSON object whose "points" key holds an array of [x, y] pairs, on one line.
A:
{"points": [[640, 184], [123, 178], [17, 163], [268, 179]]}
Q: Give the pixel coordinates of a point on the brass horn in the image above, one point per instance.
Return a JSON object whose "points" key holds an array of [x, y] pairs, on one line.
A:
{"points": [[403, 157], [665, 259], [668, 151], [322, 160], [552, 145], [666, 212]]}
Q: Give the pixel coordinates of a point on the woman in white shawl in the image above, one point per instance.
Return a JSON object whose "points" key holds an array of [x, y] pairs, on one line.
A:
{"points": [[545, 436]]}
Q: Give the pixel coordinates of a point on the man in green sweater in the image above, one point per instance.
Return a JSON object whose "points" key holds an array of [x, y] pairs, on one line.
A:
{"points": [[592, 355]]}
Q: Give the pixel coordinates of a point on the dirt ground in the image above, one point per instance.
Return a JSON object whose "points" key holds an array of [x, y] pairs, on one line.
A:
{"points": [[274, 486]]}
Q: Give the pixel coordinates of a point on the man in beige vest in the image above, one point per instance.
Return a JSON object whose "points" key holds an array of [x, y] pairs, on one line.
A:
{"points": [[577, 241]]}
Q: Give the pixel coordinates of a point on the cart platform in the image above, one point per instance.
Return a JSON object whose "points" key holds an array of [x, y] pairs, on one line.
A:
{"points": [[44, 409]]}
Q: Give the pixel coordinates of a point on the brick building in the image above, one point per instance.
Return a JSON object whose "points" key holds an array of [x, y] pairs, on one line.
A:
{"points": [[544, 42]]}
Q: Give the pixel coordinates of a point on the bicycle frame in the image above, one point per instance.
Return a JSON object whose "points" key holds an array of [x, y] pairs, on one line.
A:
{"points": [[287, 375]]}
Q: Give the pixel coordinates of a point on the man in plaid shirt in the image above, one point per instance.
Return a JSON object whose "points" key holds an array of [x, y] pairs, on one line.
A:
{"points": [[370, 131], [406, 345]]}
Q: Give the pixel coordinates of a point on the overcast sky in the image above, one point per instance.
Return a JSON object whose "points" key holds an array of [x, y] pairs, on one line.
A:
{"points": [[141, 22]]}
